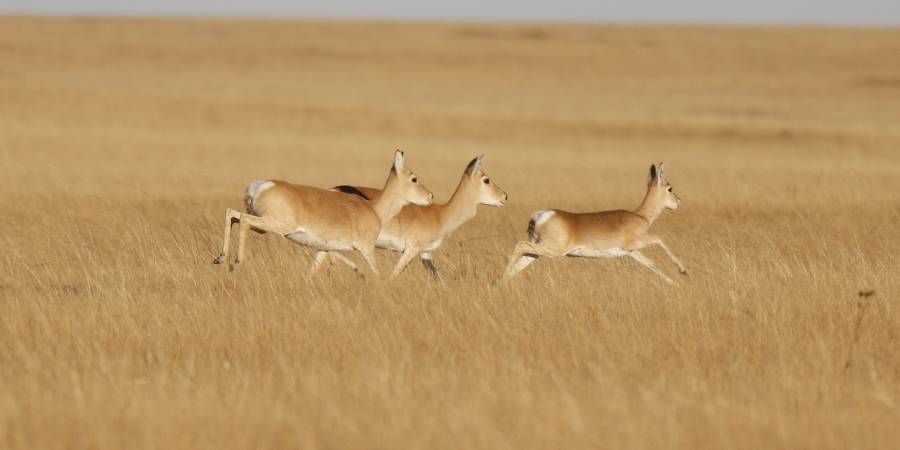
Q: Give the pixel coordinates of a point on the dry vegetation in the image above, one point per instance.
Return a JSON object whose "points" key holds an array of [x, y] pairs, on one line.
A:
{"points": [[123, 141]]}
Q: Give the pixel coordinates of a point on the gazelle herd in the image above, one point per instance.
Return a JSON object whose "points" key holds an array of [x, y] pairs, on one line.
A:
{"points": [[402, 218]]}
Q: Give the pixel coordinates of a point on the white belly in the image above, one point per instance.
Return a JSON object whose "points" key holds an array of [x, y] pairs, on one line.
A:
{"points": [[610, 252], [390, 243], [303, 238]]}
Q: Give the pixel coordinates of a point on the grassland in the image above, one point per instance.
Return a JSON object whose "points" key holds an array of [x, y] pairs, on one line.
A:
{"points": [[122, 142]]}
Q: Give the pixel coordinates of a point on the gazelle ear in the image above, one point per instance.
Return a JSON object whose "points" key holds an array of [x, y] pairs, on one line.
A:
{"points": [[652, 172], [398, 161], [661, 172], [474, 165]]}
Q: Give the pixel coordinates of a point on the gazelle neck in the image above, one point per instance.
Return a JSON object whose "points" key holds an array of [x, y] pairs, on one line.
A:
{"points": [[389, 203], [463, 205], [651, 207]]}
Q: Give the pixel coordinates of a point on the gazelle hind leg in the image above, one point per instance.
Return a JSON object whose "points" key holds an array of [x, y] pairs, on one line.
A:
{"points": [[247, 221], [231, 216], [656, 240], [523, 262], [524, 254], [648, 263], [317, 261]]}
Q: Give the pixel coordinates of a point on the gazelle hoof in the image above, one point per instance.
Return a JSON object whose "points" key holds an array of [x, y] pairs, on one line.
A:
{"points": [[683, 272], [231, 267], [217, 260]]}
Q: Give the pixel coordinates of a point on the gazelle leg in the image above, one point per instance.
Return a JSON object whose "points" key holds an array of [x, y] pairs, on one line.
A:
{"points": [[231, 216], [248, 221], [345, 260], [317, 261], [656, 240], [524, 254], [425, 257], [369, 256], [646, 262], [524, 261], [404, 260]]}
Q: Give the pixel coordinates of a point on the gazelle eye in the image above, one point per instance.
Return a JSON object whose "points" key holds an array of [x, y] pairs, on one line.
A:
{"points": [[669, 189], [487, 181], [414, 179]]}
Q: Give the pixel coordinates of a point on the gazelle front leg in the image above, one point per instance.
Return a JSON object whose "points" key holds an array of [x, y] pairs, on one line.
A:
{"points": [[648, 263], [345, 260], [404, 260], [231, 216], [368, 254], [425, 257], [653, 239]]}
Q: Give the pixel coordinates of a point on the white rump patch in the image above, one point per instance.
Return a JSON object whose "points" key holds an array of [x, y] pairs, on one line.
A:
{"points": [[253, 190], [542, 216]]}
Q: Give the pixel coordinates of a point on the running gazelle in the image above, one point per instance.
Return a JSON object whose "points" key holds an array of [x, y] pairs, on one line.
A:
{"points": [[553, 232], [325, 220], [420, 230]]}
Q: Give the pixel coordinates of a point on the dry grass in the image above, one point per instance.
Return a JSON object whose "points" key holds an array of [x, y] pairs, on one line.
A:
{"points": [[123, 141]]}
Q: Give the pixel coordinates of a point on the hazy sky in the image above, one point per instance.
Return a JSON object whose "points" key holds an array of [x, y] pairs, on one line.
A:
{"points": [[847, 12]]}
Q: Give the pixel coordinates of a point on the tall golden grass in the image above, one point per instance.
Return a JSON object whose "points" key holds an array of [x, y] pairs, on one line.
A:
{"points": [[122, 142]]}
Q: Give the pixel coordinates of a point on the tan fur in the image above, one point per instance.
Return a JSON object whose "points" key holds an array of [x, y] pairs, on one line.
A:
{"points": [[325, 220], [599, 234], [420, 230], [331, 216]]}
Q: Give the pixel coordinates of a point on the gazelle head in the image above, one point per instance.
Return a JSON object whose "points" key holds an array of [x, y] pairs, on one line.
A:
{"points": [[488, 193], [407, 183], [660, 188]]}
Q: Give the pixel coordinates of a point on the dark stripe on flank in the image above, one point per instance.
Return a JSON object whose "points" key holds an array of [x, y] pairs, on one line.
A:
{"points": [[351, 190]]}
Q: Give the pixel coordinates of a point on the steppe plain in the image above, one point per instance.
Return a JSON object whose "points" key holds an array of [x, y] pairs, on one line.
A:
{"points": [[123, 141]]}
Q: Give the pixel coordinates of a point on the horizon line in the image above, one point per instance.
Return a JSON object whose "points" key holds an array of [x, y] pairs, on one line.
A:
{"points": [[447, 20]]}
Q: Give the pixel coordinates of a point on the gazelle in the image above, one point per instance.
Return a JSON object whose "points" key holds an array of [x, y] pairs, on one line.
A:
{"points": [[553, 232], [325, 220], [420, 230]]}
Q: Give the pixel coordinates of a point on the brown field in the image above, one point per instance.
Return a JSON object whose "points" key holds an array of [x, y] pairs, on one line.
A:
{"points": [[122, 142]]}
